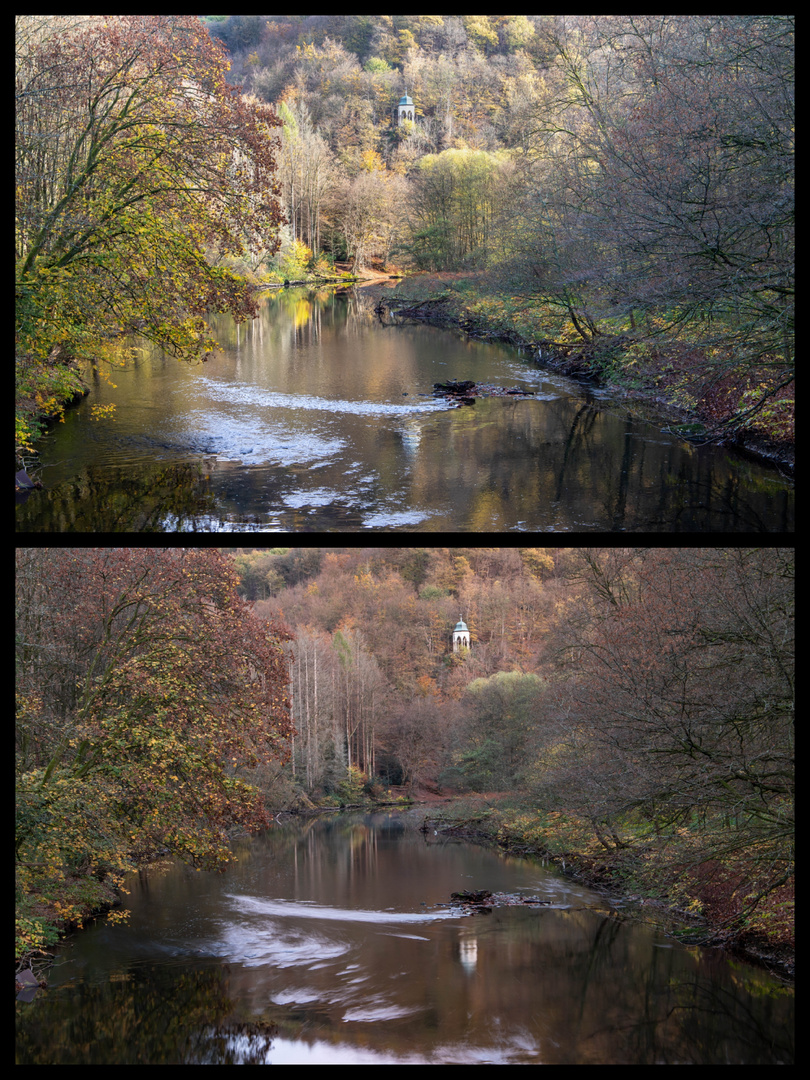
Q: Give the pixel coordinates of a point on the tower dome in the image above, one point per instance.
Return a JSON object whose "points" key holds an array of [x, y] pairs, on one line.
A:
{"points": [[405, 109], [461, 636]]}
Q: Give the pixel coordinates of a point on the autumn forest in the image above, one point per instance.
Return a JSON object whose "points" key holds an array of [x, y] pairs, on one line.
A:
{"points": [[621, 185], [627, 710]]}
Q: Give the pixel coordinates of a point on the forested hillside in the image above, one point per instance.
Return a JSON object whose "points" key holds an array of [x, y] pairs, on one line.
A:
{"points": [[618, 185], [634, 705], [376, 683], [627, 180], [639, 703], [373, 633]]}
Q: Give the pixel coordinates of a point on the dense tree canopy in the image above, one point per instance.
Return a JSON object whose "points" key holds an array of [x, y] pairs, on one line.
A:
{"points": [[502, 722], [142, 176], [666, 144], [148, 696], [682, 688]]}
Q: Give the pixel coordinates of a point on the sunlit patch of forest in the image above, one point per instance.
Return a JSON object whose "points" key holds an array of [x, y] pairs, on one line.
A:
{"points": [[623, 184]]}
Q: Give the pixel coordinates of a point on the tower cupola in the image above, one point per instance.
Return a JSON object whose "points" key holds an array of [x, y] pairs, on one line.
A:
{"points": [[461, 636], [405, 110]]}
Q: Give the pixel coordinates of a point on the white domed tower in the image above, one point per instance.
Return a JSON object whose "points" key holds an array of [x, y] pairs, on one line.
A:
{"points": [[405, 110], [461, 636]]}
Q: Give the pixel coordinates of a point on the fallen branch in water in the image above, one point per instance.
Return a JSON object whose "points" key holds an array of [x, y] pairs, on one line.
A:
{"points": [[483, 901]]}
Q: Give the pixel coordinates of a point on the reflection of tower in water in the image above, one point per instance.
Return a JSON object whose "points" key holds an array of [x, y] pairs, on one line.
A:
{"points": [[411, 436], [468, 952]]}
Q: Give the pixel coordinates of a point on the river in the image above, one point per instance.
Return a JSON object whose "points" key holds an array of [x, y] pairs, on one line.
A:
{"points": [[318, 417], [326, 943]]}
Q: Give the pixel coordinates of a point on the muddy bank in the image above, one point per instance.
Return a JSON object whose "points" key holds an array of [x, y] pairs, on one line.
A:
{"points": [[607, 879], [591, 364]]}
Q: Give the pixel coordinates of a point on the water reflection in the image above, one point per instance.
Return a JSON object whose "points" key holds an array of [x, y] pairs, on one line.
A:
{"points": [[317, 417], [537, 1004], [149, 1015], [325, 943]]}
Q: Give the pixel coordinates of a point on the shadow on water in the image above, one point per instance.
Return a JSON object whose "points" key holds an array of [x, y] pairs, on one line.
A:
{"points": [[318, 418]]}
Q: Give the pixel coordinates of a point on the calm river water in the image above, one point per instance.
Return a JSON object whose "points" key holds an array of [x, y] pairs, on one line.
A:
{"points": [[324, 944], [318, 418]]}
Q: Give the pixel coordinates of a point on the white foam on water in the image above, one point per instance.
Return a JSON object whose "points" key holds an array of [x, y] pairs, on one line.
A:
{"points": [[247, 394]]}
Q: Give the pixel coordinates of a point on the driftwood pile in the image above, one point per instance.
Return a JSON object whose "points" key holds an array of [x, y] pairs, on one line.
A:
{"points": [[482, 901], [465, 392]]}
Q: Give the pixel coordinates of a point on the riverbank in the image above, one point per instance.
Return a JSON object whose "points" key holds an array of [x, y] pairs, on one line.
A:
{"points": [[65, 902], [699, 911], [45, 388], [699, 903], [697, 397], [344, 274], [43, 391]]}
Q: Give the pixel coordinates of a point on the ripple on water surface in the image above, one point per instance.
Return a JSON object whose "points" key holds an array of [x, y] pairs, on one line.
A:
{"points": [[246, 394], [256, 425], [266, 932]]}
